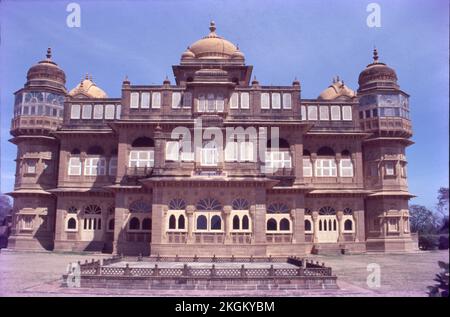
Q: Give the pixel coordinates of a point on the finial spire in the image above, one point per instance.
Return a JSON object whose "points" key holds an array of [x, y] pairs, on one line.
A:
{"points": [[49, 53], [375, 55], [87, 76], [212, 26]]}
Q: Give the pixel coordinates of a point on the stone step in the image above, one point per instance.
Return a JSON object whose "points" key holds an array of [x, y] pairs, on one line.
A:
{"points": [[328, 249]]}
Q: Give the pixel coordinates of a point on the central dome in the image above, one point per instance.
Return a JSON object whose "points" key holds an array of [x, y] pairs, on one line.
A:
{"points": [[212, 46]]}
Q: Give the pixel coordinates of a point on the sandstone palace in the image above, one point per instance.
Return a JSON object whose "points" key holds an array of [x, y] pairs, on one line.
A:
{"points": [[120, 175]]}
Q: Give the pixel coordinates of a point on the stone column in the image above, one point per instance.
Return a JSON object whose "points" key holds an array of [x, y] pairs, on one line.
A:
{"points": [[297, 152], [59, 221], [358, 217], [190, 225], [160, 147], [120, 215], [340, 226], [226, 212], [315, 219], [259, 222]]}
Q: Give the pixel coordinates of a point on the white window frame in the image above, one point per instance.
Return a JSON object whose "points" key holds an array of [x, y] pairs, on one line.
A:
{"points": [[70, 216], [276, 100], [220, 103], [287, 101], [347, 113], [245, 100], [75, 166], [172, 150], [312, 113], [335, 113], [278, 159], [176, 100], [209, 156], [346, 167], [112, 168], [26, 222], [30, 166], [145, 100], [156, 100], [201, 103], [187, 99], [134, 100], [326, 168], [75, 111], [141, 158], [118, 111], [98, 112], [389, 168], [86, 112], [109, 112], [265, 100], [307, 167], [234, 101], [94, 166], [324, 113]]}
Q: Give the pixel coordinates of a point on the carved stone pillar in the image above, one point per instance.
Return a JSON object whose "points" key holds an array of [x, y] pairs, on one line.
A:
{"points": [[160, 146], [315, 219], [227, 212], [294, 222], [190, 225], [339, 215]]}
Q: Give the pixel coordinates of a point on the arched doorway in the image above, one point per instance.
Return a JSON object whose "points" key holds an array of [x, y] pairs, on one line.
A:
{"points": [[327, 225]]}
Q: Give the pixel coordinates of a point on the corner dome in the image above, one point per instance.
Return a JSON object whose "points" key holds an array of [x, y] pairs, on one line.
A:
{"points": [[212, 46], [47, 71], [87, 89], [336, 90], [377, 75]]}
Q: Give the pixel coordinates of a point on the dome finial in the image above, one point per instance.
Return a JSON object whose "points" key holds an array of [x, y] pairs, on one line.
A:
{"points": [[87, 76], [49, 53], [375, 55], [212, 26]]}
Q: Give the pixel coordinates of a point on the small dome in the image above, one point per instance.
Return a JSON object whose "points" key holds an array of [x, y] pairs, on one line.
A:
{"points": [[335, 90], [377, 75], [87, 89], [212, 46], [47, 70]]}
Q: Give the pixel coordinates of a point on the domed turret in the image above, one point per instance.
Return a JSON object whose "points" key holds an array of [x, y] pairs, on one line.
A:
{"points": [[87, 89], [46, 72], [212, 46], [377, 75], [337, 90]]}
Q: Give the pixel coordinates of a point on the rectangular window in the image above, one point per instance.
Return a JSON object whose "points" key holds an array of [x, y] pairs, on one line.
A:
{"points": [[278, 159], [303, 113], [231, 151], [75, 111], [346, 168], [335, 113], [87, 112], [145, 100], [389, 168], [134, 100], [27, 222], [25, 111], [187, 100], [210, 157], [98, 111], [95, 166], [210, 105], [220, 103], [404, 170], [201, 103], [307, 167], [265, 100], [347, 113], [234, 101], [118, 111], [245, 100], [367, 113], [141, 159], [326, 168], [156, 100], [109, 112], [74, 166], [287, 102], [30, 167], [176, 100], [324, 113], [112, 166], [172, 150], [312, 112], [276, 101], [374, 113]]}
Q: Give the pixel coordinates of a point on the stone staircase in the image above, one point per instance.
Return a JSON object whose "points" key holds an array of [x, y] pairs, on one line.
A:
{"points": [[329, 248]]}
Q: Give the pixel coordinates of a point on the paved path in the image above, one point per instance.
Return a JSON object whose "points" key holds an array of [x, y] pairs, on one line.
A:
{"points": [[39, 274]]}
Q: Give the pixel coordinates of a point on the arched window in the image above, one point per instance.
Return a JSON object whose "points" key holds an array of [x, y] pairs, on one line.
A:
{"points": [[245, 222], [209, 204], [177, 204], [236, 222], [181, 222], [348, 225], [172, 222], [111, 224], [271, 224], [143, 142], [345, 153], [216, 223], [284, 225], [327, 210], [140, 206], [95, 150], [277, 208], [308, 211], [240, 204], [72, 210], [71, 223], [134, 223], [325, 151], [307, 225], [202, 223], [348, 211], [147, 224], [92, 210]]}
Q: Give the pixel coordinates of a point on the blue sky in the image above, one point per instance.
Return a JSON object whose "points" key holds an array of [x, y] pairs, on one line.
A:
{"points": [[311, 40]]}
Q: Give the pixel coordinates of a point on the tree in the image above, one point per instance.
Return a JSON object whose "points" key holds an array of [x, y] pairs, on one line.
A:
{"points": [[423, 220], [440, 289], [5, 207], [442, 207]]}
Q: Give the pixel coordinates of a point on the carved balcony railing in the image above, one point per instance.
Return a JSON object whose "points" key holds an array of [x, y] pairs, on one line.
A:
{"points": [[278, 237]]}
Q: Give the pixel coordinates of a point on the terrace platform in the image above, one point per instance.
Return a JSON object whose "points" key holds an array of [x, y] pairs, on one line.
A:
{"points": [[203, 273]]}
